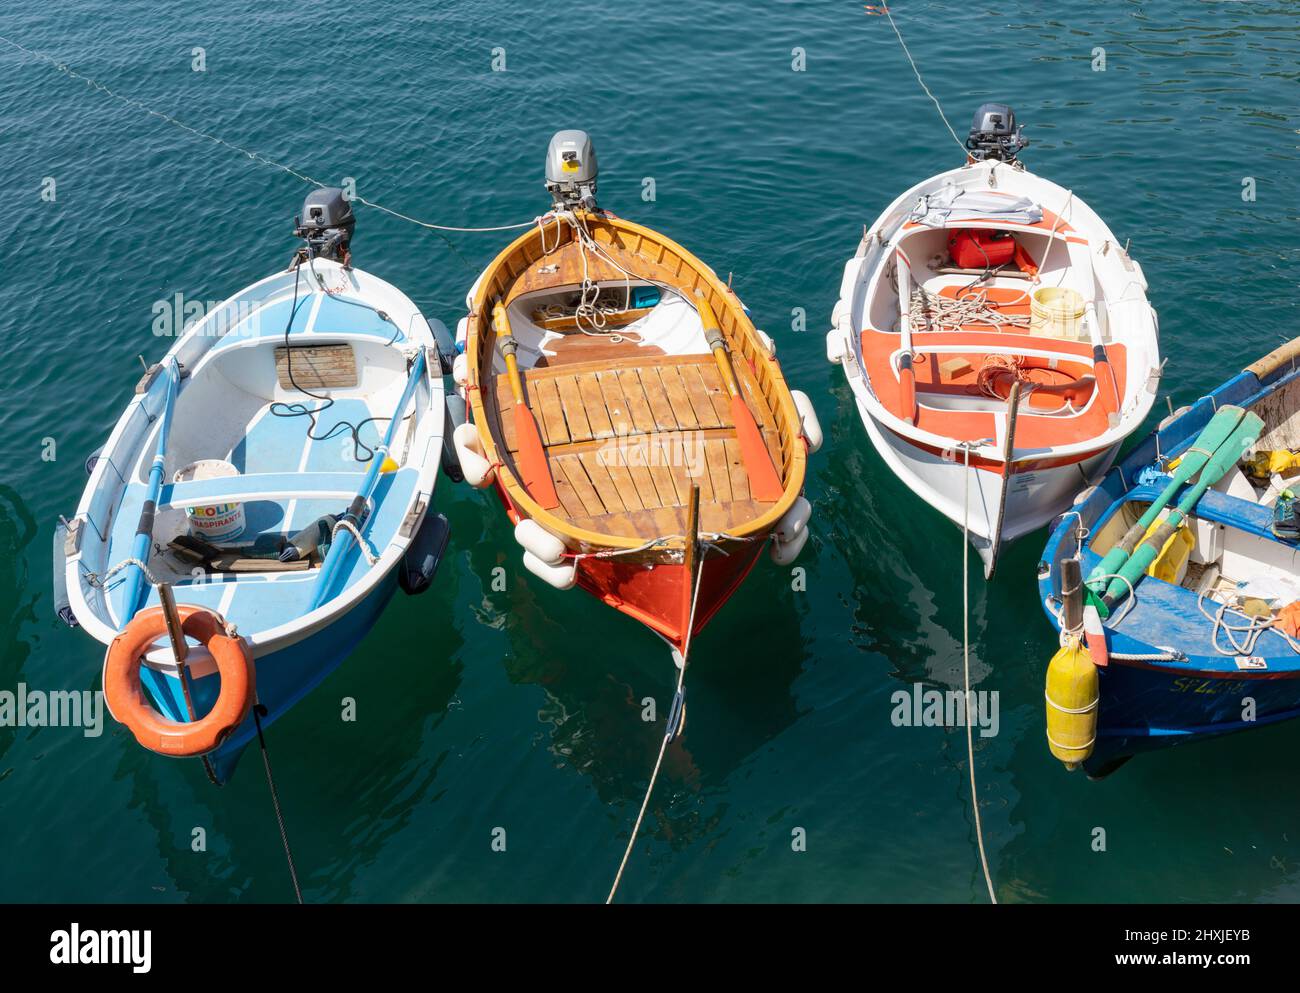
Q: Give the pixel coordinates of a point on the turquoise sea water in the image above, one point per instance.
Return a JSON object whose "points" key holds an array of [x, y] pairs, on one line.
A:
{"points": [[521, 709]]}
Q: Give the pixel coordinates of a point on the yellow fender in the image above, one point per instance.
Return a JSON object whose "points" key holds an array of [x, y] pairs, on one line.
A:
{"points": [[1073, 695]]}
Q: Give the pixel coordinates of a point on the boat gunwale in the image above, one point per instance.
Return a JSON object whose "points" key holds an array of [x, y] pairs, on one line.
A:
{"points": [[272, 639], [731, 317], [1100, 502], [884, 236]]}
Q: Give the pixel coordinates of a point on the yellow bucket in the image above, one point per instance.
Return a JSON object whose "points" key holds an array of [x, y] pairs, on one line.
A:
{"points": [[1056, 312]]}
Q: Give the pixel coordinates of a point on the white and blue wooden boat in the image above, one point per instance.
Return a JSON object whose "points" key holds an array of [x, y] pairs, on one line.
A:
{"points": [[322, 386], [1182, 660]]}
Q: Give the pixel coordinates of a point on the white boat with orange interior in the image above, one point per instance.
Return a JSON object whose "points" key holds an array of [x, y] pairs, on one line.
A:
{"points": [[998, 340]]}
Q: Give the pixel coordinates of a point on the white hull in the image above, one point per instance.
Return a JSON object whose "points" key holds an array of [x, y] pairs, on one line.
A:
{"points": [[1062, 441], [1034, 499]]}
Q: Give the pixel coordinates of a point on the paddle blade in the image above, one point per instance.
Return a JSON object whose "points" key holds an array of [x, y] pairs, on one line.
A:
{"points": [[764, 483], [1107, 390], [907, 391], [534, 472], [1243, 436]]}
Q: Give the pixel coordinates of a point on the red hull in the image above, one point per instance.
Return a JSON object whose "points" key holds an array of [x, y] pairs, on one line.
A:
{"points": [[657, 593], [658, 596]]}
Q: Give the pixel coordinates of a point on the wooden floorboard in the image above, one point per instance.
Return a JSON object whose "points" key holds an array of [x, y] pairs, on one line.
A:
{"points": [[626, 444]]}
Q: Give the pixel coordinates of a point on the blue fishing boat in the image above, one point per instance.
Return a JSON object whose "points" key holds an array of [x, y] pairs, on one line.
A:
{"points": [[1186, 624], [261, 497]]}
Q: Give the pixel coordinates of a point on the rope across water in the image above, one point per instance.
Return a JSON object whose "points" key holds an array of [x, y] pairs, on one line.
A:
{"points": [[255, 156], [965, 661], [676, 717]]}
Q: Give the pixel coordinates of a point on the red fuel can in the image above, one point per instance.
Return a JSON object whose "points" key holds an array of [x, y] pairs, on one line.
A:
{"points": [[978, 248]]}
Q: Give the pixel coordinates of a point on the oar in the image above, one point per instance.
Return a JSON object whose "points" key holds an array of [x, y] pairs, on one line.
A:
{"points": [[764, 481], [1206, 444], [342, 544], [1242, 437], [1008, 455], [906, 374], [1107, 387], [534, 472], [144, 529]]}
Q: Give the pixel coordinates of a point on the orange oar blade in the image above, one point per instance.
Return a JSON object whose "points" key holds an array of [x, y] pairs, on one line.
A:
{"points": [[534, 472], [764, 483], [1107, 389]]}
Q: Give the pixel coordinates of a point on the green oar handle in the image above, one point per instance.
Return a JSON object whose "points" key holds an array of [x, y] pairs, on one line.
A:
{"points": [[1224, 458], [1212, 436], [1151, 548]]}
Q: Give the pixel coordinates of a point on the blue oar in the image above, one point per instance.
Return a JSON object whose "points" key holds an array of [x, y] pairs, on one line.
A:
{"points": [[1223, 459], [340, 547], [143, 543], [1212, 436]]}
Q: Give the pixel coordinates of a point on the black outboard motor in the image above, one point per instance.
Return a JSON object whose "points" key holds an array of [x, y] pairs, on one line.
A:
{"points": [[327, 224], [994, 134]]}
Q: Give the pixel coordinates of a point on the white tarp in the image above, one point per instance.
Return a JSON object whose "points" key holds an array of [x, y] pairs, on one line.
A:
{"points": [[951, 205]]}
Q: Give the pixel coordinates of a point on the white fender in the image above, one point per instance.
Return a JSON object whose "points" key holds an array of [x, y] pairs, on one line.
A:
{"points": [[785, 552], [536, 540], [1084, 495], [562, 577], [462, 331], [460, 369], [835, 347], [769, 346], [794, 521], [812, 427], [477, 470]]}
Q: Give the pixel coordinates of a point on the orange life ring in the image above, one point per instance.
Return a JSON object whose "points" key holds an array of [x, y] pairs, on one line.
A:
{"points": [[127, 701]]}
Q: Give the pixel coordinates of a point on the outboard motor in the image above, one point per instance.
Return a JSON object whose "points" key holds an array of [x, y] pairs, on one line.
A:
{"points": [[571, 170], [327, 224], [994, 134]]}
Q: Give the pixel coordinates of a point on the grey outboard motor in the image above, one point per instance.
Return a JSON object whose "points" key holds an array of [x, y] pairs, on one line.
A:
{"points": [[326, 224], [571, 170], [994, 134]]}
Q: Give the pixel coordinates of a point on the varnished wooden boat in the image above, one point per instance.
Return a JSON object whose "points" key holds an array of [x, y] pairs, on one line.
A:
{"points": [[633, 416]]}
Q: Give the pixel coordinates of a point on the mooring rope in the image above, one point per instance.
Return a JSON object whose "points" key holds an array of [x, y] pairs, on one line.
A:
{"points": [[258, 710], [255, 156], [917, 72], [676, 716], [965, 659]]}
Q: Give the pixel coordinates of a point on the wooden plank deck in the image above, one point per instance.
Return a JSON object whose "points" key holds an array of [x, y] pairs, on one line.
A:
{"points": [[625, 444]]}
